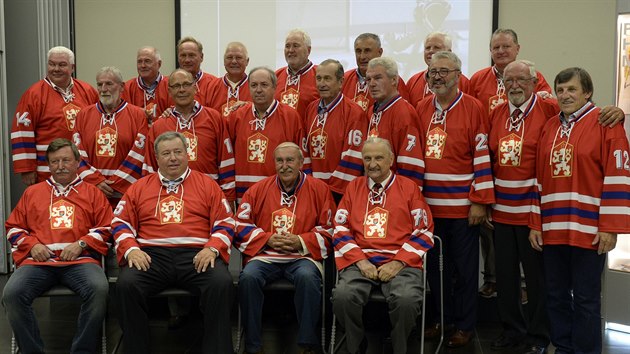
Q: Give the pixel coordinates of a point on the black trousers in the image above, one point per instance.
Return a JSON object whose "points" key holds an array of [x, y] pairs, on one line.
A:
{"points": [[173, 267]]}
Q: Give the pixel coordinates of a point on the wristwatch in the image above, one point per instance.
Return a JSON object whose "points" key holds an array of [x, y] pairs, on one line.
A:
{"points": [[83, 244]]}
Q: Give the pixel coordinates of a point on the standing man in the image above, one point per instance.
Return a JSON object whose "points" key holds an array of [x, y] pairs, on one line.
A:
{"points": [[111, 137], [417, 84], [149, 89], [208, 143], [372, 252], [60, 242], [513, 141], [284, 228], [296, 82], [367, 46], [394, 119], [582, 175], [458, 187], [257, 128], [335, 129], [157, 249], [46, 111], [189, 58], [232, 91]]}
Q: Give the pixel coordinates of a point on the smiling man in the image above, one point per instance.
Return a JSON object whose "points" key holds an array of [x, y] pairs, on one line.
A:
{"points": [[189, 58], [284, 228], [46, 111], [111, 136], [174, 228], [296, 82], [232, 91]]}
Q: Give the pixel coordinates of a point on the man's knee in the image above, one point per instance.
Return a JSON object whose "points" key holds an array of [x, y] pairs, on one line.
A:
{"points": [[307, 277], [344, 294]]}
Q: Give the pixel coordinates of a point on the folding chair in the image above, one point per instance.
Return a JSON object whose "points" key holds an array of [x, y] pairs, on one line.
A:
{"points": [[376, 295], [58, 291]]}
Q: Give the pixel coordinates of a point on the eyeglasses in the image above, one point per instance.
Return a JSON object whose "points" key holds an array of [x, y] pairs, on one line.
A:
{"points": [[441, 72], [185, 86], [521, 81]]}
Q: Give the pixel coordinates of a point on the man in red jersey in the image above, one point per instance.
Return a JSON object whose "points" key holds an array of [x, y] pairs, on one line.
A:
{"points": [[111, 137], [189, 58], [231, 91], [335, 126], [284, 230], [46, 111], [296, 82], [383, 228], [149, 89], [417, 84], [58, 231], [367, 46], [174, 228]]}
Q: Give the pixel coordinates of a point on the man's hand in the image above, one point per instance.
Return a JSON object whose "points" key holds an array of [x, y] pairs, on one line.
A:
{"points": [[41, 253], [29, 178], [291, 242], [476, 214], [487, 221], [71, 252], [544, 94], [607, 241], [367, 269], [535, 239], [236, 105], [139, 259], [204, 258], [278, 243], [389, 270], [167, 112], [609, 116], [105, 188]]}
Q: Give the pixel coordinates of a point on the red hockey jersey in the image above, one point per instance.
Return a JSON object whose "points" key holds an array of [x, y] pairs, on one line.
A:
{"points": [[356, 88], [153, 100], [194, 214], [266, 210], [43, 115], [299, 90], [55, 217], [583, 174], [457, 162], [363, 229], [254, 140], [111, 145], [330, 140], [223, 96], [419, 89], [209, 146]]}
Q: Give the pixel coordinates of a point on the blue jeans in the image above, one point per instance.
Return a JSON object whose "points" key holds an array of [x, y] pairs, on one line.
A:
{"points": [[28, 282], [307, 280]]}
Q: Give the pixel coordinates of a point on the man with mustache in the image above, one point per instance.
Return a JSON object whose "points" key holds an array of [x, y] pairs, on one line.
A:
{"points": [[58, 242], [383, 228], [232, 90], [174, 228], [458, 187], [284, 227], [257, 128], [46, 111], [417, 84], [111, 136], [513, 140], [367, 46], [296, 82]]}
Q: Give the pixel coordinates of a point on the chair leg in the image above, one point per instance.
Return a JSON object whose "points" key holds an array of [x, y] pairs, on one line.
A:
{"points": [[14, 347], [104, 336], [239, 333]]}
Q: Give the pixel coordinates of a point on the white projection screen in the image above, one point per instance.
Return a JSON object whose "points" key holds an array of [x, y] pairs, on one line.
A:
{"points": [[402, 25]]}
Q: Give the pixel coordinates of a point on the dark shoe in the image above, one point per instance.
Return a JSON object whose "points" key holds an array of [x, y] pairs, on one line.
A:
{"points": [[488, 290], [535, 349], [435, 330], [310, 350], [459, 339], [504, 342], [177, 321]]}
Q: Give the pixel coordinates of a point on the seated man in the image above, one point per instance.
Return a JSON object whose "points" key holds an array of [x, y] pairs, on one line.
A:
{"points": [[161, 250], [60, 242], [370, 251], [283, 230]]}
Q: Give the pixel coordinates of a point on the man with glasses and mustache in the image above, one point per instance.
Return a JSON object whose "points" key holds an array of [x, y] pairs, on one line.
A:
{"points": [[46, 111], [59, 231], [111, 136], [457, 186], [284, 227]]}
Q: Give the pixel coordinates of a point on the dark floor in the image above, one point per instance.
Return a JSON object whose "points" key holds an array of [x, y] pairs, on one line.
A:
{"points": [[57, 320]]}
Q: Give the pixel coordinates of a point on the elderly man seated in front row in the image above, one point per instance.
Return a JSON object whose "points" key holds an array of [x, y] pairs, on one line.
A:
{"points": [[383, 227]]}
